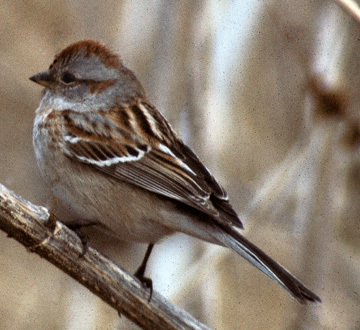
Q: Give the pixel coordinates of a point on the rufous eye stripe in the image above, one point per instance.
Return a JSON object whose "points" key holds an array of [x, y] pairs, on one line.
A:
{"points": [[97, 87]]}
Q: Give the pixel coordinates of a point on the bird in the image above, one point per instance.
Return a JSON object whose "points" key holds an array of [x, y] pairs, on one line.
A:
{"points": [[113, 160]]}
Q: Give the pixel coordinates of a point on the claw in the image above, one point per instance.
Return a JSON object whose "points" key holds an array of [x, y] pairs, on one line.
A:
{"points": [[139, 274], [146, 282]]}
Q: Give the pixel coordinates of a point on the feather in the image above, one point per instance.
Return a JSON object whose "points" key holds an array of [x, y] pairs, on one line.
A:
{"points": [[154, 159]]}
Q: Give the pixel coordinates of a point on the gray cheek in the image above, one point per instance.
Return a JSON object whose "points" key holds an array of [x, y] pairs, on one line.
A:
{"points": [[77, 93], [78, 98]]}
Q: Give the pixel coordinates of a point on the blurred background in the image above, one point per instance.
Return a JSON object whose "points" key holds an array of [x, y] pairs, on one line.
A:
{"points": [[267, 94]]}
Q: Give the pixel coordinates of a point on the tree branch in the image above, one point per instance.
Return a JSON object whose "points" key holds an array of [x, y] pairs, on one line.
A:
{"points": [[37, 229]]}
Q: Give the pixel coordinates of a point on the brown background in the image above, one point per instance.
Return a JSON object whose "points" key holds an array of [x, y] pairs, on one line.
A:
{"points": [[250, 102]]}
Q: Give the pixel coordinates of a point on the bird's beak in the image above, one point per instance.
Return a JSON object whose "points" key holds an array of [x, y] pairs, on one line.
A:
{"points": [[45, 79]]}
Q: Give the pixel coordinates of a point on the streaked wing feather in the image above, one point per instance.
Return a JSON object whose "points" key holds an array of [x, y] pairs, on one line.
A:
{"points": [[171, 171]]}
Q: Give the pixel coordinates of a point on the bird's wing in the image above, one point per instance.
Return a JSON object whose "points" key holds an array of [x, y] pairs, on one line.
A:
{"points": [[135, 144]]}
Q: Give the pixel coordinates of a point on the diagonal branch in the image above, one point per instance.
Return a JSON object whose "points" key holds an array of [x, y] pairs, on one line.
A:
{"points": [[35, 228]]}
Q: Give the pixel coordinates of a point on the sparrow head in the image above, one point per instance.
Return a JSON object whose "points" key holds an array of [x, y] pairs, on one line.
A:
{"points": [[87, 69]]}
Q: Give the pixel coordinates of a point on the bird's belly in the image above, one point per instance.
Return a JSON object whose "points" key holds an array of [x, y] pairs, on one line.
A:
{"points": [[125, 212]]}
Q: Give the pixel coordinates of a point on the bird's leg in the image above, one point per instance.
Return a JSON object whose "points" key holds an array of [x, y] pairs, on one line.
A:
{"points": [[76, 227], [139, 274]]}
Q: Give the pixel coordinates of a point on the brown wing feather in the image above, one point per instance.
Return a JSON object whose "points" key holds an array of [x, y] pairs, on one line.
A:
{"points": [[159, 162]]}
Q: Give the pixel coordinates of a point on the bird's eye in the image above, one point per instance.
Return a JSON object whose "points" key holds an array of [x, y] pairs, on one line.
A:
{"points": [[67, 78]]}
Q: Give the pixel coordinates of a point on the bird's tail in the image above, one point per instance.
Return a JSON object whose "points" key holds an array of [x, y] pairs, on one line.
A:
{"points": [[235, 241]]}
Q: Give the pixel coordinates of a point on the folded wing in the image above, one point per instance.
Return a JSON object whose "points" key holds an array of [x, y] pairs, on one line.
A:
{"points": [[155, 160]]}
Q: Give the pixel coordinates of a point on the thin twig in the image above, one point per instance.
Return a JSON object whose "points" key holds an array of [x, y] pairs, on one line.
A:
{"points": [[35, 228]]}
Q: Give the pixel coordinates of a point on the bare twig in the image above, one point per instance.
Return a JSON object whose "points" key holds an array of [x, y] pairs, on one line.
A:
{"points": [[35, 228]]}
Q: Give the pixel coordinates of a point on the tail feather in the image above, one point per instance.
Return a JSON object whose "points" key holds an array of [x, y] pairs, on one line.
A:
{"points": [[235, 241]]}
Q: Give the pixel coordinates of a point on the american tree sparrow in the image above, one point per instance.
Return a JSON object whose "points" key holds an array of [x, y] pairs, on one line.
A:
{"points": [[114, 160]]}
